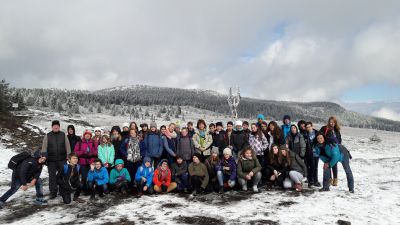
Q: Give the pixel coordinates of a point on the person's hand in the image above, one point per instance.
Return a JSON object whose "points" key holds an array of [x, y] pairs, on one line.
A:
{"points": [[92, 167], [251, 174], [32, 183], [106, 165], [226, 168], [144, 179], [145, 188], [24, 187], [326, 166], [248, 177], [275, 172]]}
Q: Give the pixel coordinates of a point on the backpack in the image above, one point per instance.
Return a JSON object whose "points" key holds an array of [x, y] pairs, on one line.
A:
{"points": [[18, 159]]}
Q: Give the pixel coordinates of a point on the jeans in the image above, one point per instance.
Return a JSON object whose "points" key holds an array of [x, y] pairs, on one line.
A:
{"points": [[16, 184], [182, 181], [313, 170], [223, 177], [54, 168], [84, 173], [255, 180], [335, 171], [140, 185], [346, 166]]}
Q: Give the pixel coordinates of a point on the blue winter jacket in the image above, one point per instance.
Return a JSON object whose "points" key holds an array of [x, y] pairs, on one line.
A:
{"points": [[285, 130], [98, 176], [153, 144], [330, 153], [146, 172]]}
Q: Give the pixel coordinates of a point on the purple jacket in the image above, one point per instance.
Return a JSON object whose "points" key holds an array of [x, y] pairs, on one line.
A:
{"points": [[227, 163]]}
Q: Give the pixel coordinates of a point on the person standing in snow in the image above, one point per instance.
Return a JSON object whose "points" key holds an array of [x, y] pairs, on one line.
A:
{"points": [[116, 140], [106, 152], [239, 139], [153, 143], [132, 154], [286, 126], [72, 137], [202, 140], [57, 147]]}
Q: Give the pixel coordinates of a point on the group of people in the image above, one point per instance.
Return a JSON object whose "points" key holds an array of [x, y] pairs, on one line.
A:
{"points": [[147, 159]]}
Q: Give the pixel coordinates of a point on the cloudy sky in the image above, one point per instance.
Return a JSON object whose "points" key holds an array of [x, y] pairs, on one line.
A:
{"points": [[286, 50]]}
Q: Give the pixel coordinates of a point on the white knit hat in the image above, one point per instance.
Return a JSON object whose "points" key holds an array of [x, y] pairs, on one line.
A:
{"points": [[227, 151], [238, 123], [125, 125]]}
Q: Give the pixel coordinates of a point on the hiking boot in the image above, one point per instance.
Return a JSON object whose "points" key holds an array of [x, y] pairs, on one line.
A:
{"points": [[352, 191], [40, 201], [52, 196], [335, 182], [310, 185], [221, 190], [92, 197], [140, 194], [194, 193], [317, 184], [255, 189], [185, 190], [331, 181]]}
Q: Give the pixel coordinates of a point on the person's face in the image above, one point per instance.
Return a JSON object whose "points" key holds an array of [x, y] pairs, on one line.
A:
{"points": [[119, 167], [115, 133], [153, 129], [164, 166], [332, 123], [287, 121], [144, 128], [171, 128], [254, 128], [260, 120], [245, 126], [247, 154], [309, 128], [219, 128], [214, 155], [195, 159], [294, 130], [284, 153], [238, 127], [98, 165], [320, 139], [55, 128], [229, 127], [201, 126], [70, 131], [42, 160], [133, 126], [104, 140], [190, 126], [74, 160], [226, 156], [275, 150], [177, 129], [125, 128], [212, 129], [87, 136], [97, 132], [263, 127], [163, 130], [147, 164], [132, 133], [179, 161], [272, 127], [303, 126], [184, 132]]}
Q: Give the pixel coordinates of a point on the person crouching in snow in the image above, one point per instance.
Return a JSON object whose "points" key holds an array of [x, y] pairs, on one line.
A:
{"points": [[248, 169], [162, 178], [331, 154], [144, 177], [27, 175], [198, 175], [70, 180], [180, 174], [119, 177], [226, 171], [298, 171], [97, 179]]}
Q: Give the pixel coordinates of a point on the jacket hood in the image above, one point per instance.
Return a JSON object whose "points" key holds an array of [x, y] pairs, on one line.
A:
{"points": [[119, 162], [71, 127]]}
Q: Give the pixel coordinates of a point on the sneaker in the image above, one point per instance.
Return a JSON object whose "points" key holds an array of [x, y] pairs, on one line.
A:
{"points": [[244, 188], [335, 182], [221, 190], [352, 191], [40, 201], [310, 185], [255, 188]]}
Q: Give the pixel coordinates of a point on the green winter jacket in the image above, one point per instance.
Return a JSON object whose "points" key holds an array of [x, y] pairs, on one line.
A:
{"points": [[245, 166]]}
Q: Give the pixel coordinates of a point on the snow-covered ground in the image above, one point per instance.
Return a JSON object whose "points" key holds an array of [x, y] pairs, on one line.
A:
{"points": [[376, 199]]}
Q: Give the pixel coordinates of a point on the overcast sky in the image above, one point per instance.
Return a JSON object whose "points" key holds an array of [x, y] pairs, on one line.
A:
{"points": [[291, 50]]}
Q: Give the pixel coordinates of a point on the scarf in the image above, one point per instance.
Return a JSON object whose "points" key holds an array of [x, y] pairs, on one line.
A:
{"points": [[133, 150], [170, 135]]}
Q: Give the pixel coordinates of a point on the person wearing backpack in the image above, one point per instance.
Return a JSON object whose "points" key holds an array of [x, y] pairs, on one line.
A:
{"points": [[70, 180], [57, 146], [87, 153], [144, 177], [26, 174]]}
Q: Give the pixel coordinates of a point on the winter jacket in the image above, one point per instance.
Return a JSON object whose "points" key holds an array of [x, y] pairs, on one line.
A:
{"points": [[100, 177], [72, 138], [106, 154], [86, 152], [297, 163], [311, 140], [157, 178], [211, 167], [239, 140], [153, 144], [70, 177], [202, 144], [200, 170], [259, 145], [185, 147], [28, 170], [331, 136], [57, 146], [178, 170], [296, 143], [281, 167], [285, 130], [227, 163], [122, 175], [146, 172], [169, 145], [329, 153], [137, 153], [117, 146], [245, 166], [218, 140]]}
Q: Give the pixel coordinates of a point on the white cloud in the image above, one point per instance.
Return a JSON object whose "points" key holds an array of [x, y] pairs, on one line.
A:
{"points": [[387, 114]]}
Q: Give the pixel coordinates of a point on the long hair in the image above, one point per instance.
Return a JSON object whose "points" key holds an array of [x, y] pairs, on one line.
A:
{"points": [[259, 133], [203, 122], [277, 132], [337, 126], [281, 148], [105, 136], [136, 127]]}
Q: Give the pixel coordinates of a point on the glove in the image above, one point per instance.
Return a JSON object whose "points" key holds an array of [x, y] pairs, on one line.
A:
{"points": [[164, 188]]}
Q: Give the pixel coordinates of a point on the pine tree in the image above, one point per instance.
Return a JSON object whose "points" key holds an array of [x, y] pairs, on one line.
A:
{"points": [[5, 103], [147, 113], [98, 108]]}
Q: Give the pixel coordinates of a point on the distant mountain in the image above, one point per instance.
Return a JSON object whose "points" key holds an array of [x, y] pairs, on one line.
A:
{"points": [[317, 112]]}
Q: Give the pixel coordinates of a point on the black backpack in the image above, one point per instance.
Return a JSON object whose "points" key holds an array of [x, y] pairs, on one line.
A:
{"points": [[18, 159]]}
